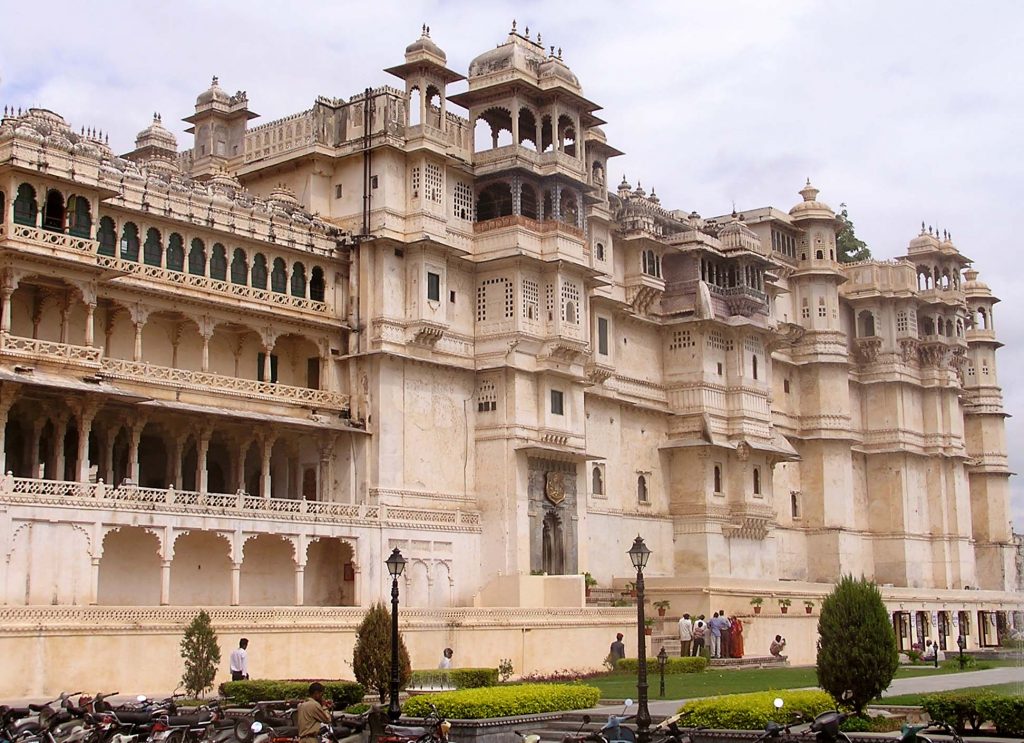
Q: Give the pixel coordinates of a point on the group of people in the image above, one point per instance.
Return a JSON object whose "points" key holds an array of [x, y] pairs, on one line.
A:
{"points": [[722, 634]]}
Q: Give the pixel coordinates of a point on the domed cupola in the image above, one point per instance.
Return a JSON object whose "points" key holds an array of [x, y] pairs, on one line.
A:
{"points": [[810, 207], [735, 235], [155, 147], [213, 94], [425, 50], [553, 71], [517, 55]]}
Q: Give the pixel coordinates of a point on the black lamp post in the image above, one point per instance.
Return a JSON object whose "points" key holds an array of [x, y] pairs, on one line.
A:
{"points": [[638, 555], [396, 564], [662, 660]]}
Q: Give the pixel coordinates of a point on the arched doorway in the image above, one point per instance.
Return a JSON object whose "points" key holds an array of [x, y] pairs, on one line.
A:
{"points": [[329, 578], [268, 572], [201, 570], [130, 568]]}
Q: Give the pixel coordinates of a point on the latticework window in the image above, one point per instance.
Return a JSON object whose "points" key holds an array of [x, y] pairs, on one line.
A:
{"points": [[433, 184], [462, 206]]}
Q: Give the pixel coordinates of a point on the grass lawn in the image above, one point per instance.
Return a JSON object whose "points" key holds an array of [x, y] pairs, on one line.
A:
{"points": [[714, 682], [915, 699]]}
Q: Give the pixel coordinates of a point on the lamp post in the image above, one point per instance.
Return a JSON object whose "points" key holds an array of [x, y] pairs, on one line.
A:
{"points": [[638, 555], [396, 564], [662, 660]]}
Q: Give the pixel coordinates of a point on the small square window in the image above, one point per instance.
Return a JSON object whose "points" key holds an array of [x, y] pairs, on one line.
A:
{"points": [[451, 297], [433, 286], [557, 402], [373, 181], [338, 191], [719, 368], [785, 386]]}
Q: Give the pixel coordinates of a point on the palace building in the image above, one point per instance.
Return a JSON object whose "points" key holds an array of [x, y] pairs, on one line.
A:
{"points": [[238, 373]]}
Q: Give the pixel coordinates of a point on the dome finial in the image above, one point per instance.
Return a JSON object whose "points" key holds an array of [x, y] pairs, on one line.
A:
{"points": [[559, 52], [527, 33], [215, 81], [809, 192], [513, 26], [540, 43]]}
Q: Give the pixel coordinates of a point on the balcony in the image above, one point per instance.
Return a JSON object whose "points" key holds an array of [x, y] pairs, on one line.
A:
{"points": [[37, 239], [642, 290], [501, 159], [40, 351], [742, 300], [513, 235], [86, 495]]}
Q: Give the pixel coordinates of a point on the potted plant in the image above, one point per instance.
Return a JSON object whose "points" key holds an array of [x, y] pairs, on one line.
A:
{"points": [[662, 607], [808, 606], [648, 626], [756, 603], [784, 605], [631, 590], [589, 582]]}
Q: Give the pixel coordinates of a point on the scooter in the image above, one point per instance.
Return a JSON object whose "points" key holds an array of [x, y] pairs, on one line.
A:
{"points": [[614, 731]]}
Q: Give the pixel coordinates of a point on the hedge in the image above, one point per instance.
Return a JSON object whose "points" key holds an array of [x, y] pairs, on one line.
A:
{"points": [[673, 665], [246, 693], [964, 708], [455, 678], [504, 701], [1005, 712], [753, 711]]}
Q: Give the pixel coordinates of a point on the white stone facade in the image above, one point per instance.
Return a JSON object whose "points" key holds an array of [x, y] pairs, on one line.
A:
{"points": [[238, 375]]}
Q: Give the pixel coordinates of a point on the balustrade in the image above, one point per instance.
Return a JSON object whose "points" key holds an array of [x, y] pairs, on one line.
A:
{"points": [[35, 349], [77, 245]]}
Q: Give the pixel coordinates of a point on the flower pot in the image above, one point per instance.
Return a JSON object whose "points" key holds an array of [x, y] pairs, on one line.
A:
{"points": [[632, 594], [661, 612], [587, 592], [648, 630], [757, 609], [809, 609], [785, 609]]}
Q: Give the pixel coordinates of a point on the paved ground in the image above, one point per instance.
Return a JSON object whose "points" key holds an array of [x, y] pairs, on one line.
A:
{"points": [[943, 682]]}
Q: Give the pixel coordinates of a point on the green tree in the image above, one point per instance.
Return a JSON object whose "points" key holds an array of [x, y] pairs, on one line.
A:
{"points": [[371, 659], [201, 654], [851, 248], [857, 653]]}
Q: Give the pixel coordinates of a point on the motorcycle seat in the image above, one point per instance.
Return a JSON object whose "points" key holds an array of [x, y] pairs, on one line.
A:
{"points": [[404, 731], [288, 731], [180, 721], [133, 717], [16, 713], [37, 707]]}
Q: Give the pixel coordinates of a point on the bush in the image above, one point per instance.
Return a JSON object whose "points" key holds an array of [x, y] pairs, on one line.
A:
{"points": [[201, 654], [673, 665], [371, 659], [859, 724], [1005, 712], [957, 708], [753, 711], [857, 653], [504, 701], [247, 693], [455, 678]]}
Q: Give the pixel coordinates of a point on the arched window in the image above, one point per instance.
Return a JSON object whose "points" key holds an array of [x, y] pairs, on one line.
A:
{"points": [[641, 489], [597, 486], [570, 312], [259, 271], [130, 242], [757, 481], [819, 254], [152, 249], [494, 201], [279, 277], [53, 211], [569, 209], [3, 206], [753, 365], [866, 324], [650, 263], [528, 201], [600, 251], [176, 253], [25, 207], [197, 258], [107, 235], [718, 478], [317, 286], [298, 280], [794, 504], [239, 267], [79, 217], [218, 262]]}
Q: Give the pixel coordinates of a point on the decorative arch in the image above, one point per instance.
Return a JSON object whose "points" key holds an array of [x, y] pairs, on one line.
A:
{"points": [[865, 324], [567, 135], [317, 285], [218, 261], [597, 481], [569, 209], [239, 267], [175, 253], [267, 576], [528, 204], [259, 271], [153, 249], [130, 242], [528, 128], [642, 495], [496, 130], [129, 571], [298, 282], [25, 207], [329, 577], [197, 258], [495, 200], [79, 216], [279, 277], [107, 236], [201, 569], [54, 211]]}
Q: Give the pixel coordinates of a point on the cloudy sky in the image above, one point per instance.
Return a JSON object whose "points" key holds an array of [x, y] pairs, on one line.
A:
{"points": [[906, 111]]}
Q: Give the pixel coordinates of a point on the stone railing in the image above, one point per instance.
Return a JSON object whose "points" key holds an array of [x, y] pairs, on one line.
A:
{"points": [[81, 245], [278, 137], [166, 376], [179, 278], [517, 220], [23, 490], [39, 350]]}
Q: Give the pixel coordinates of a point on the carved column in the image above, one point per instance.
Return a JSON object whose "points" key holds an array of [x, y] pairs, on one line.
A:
{"points": [[236, 582], [32, 456], [300, 579], [90, 323], [176, 459], [133, 451], [110, 440], [58, 460], [8, 396], [5, 314], [326, 450], [165, 582], [65, 313], [86, 412], [202, 449], [137, 355], [206, 331], [268, 348], [268, 450], [240, 456]]}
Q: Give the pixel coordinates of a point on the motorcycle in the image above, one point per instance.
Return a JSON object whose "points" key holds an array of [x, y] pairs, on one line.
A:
{"points": [[614, 731]]}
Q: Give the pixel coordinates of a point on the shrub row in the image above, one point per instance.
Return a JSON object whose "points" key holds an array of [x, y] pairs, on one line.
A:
{"points": [[753, 711], [245, 693], [672, 665], [504, 701], [455, 678], [964, 708]]}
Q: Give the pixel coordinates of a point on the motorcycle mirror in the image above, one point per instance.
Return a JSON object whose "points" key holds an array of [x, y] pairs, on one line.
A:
{"points": [[778, 703], [256, 727], [628, 703], [586, 719], [140, 698]]}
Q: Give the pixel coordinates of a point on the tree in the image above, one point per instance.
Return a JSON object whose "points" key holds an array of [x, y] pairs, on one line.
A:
{"points": [[857, 653], [850, 247], [371, 659], [201, 654]]}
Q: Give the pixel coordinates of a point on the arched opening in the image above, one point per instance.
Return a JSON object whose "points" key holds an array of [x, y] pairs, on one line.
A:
{"points": [[433, 107], [259, 271], [201, 570], [650, 263], [279, 277], [566, 135], [569, 208], [547, 139], [753, 365], [152, 249], [552, 544], [417, 579], [718, 479], [496, 131], [329, 578], [982, 319], [107, 235], [597, 482], [597, 174], [757, 481], [570, 312], [441, 586], [218, 262], [819, 254], [599, 251], [528, 201], [865, 324], [53, 211], [927, 326], [25, 207], [239, 267], [317, 288], [495, 200], [641, 489], [176, 253], [130, 242], [130, 568], [527, 129], [79, 216], [154, 457], [949, 328], [197, 258], [415, 103], [298, 279], [267, 575]]}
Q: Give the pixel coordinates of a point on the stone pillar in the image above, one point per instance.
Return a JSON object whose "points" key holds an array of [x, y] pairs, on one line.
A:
{"points": [[5, 314], [323, 480], [268, 448], [176, 460], [165, 582], [58, 459], [326, 371], [137, 355], [202, 449], [65, 313], [94, 582], [240, 457], [133, 451], [108, 452], [86, 415], [8, 396], [515, 122], [296, 473], [32, 456], [236, 582], [300, 572], [556, 203], [267, 368], [90, 323], [206, 348]]}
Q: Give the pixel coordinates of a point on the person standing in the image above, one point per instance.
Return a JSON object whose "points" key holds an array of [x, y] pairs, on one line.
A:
{"points": [[446, 659], [716, 635], [699, 631], [239, 663], [725, 651], [617, 651], [685, 635], [736, 638], [312, 713]]}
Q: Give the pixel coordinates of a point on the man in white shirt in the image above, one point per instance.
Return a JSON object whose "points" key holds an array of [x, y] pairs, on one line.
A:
{"points": [[446, 659], [240, 661], [685, 635]]}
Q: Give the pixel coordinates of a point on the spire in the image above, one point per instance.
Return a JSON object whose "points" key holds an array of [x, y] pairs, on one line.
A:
{"points": [[809, 192]]}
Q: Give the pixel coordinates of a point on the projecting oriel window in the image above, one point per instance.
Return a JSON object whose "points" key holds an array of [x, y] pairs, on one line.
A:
{"points": [[433, 286], [557, 402]]}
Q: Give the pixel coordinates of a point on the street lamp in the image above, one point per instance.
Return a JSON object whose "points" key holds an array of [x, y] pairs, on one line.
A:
{"points": [[662, 660], [638, 555], [396, 564]]}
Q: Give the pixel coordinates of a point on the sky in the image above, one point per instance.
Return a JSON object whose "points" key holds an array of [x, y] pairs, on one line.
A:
{"points": [[906, 111]]}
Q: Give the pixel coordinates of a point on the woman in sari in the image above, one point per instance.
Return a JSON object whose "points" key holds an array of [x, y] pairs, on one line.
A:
{"points": [[736, 638]]}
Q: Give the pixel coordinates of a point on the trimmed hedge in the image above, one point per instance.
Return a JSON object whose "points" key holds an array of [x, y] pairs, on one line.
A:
{"points": [[455, 678], [246, 693], [964, 708], [753, 711], [1005, 712], [504, 701], [673, 665]]}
